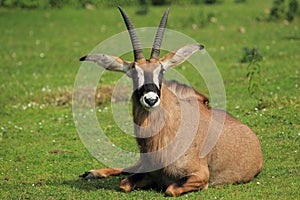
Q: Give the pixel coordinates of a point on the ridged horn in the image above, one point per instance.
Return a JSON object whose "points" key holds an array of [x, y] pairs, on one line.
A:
{"points": [[159, 36], [136, 44]]}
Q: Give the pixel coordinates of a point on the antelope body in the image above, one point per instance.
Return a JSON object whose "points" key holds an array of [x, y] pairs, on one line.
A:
{"points": [[160, 110]]}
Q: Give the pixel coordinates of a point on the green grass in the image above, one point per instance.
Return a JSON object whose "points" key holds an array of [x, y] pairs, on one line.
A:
{"points": [[41, 154]]}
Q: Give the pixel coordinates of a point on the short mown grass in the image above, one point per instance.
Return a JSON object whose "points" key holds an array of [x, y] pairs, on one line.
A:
{"points": [[41, 154]]}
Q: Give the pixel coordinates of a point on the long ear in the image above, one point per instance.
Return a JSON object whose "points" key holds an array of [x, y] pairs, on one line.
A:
{"points": [[175, 58], [108, 62]]}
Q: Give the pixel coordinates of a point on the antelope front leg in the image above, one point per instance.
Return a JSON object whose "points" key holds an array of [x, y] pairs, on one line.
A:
{"points": [[105, 172], [187, 184], [101, 173], [139, 180]]}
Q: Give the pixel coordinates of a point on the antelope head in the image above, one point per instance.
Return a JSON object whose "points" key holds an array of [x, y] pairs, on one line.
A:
{"points": [[147, 74]]}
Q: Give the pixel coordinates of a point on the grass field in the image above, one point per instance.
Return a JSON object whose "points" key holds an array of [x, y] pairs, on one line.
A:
{"points": [[41, 154]]}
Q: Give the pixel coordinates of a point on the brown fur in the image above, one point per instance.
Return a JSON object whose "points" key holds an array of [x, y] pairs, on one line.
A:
{"points": [[184, 144], [236, 157]]}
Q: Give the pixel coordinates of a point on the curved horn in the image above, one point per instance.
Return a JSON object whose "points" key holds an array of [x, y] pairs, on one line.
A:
{"points": [[159, 36], [136, 44]]}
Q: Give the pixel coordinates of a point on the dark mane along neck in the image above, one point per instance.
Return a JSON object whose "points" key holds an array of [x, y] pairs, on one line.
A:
{"points": [[184, 91]]}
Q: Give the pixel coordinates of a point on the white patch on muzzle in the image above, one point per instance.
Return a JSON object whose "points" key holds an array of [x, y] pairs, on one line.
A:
{"points": [[150, 100]]}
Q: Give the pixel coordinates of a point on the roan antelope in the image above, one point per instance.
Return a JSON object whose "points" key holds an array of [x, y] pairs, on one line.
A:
{"points": [[164, 109]]}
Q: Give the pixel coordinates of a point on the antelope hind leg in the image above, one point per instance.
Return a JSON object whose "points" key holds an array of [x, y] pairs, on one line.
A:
{"points": [[186, 184], [101, 173]]}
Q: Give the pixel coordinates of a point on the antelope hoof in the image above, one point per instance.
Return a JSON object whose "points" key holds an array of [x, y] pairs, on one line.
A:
{"points": [[126, 186], [88, 175]]}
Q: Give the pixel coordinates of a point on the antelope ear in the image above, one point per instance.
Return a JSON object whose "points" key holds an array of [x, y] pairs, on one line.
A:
{"points": [[108, 62], [175, 58]]}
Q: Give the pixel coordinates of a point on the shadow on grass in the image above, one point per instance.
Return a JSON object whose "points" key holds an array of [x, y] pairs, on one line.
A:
{"points": [[110, 183]]}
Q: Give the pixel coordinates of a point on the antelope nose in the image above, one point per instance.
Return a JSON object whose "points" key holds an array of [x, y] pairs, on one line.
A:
{"points": [[151, 102]]}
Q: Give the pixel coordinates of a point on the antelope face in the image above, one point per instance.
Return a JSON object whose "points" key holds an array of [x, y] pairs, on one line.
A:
{"points": [[147, 80], [147, 75]]}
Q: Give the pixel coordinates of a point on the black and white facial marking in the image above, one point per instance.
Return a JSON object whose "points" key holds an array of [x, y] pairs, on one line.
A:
{"points": [[147, 75], [147, 80]]}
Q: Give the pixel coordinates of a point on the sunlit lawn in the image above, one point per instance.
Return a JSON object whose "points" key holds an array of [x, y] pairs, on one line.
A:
{"points": [[41, 154]]}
